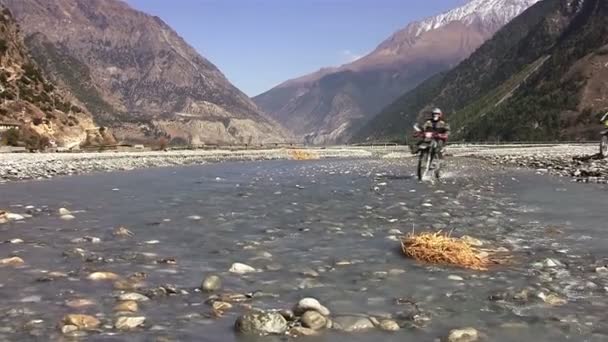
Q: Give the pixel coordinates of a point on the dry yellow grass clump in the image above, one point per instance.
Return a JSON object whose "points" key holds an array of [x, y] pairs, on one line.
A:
{"points": [[303, 155], [440, 248]]}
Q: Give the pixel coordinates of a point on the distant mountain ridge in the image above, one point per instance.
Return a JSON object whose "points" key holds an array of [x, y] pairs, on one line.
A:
{"points": [[137, 75], [544, 76], [327, 106]]}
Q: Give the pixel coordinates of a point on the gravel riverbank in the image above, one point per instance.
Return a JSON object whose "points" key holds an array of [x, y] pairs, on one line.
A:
{"points": [[14, 167], [575, 161]]}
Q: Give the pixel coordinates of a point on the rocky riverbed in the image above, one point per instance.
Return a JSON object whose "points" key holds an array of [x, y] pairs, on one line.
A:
{"points": [[290, 248]]}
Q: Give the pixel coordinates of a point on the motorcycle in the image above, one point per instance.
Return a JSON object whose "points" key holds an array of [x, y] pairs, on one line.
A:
{"points": [[604, 139], [428, 161]]}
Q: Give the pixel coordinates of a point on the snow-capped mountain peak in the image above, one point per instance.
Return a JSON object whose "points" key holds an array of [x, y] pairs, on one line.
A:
{"points": [[497, 11]]}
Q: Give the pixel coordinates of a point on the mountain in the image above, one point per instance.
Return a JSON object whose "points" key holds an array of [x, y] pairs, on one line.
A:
{"points": [[41, 111], [326, 106], [137, 75], [544, 76]]}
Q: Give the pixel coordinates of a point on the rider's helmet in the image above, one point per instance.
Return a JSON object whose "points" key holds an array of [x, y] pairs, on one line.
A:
{"points": [[436, 114]]}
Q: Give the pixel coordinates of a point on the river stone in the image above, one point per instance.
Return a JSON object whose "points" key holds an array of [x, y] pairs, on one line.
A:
{"points": [[67, 217], [261, 323], [123, 232], [82, 322], [301, 331], [463, 335], [79, 303], [352, 323], [128, 323], [313, 320], [240, 268], [103, 276], [64, 211], [134, 296], [14, 217], [308, 304], [14, 261], [388, 325], [211, 283], [127, 306]]}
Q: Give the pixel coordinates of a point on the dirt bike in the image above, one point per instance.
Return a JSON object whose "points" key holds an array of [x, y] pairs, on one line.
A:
{"points": [[604, 139], [428, 160]]}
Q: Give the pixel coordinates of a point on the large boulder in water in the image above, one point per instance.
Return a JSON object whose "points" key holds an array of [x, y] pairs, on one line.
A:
{"points": [[261, 323]]}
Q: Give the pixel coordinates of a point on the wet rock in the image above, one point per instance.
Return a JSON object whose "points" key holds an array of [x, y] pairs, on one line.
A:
{"points": [[134, 296], [15, 241], [127, 306], [307, 304], [98, 276], [14, 217], [552, 263], [455, 277], [80, 303], [552, 299], [302, 331], [463, 335], [287, 314], [603, 270], [167, 261], [388, 325], [240, 268], [221, 306], [31, 299], [128, 323], [64, 211], [13, 261], [123, 232], [352, 323], [67, 217], [81, 322], [313, 320], [68, 329], [163, 290], [87, 239], [211, 283], [261, 323]]}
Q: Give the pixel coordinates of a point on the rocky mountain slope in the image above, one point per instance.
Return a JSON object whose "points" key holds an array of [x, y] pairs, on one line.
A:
{"points": [[544, 76], [135, 74], [324, 107], [43, 112]]}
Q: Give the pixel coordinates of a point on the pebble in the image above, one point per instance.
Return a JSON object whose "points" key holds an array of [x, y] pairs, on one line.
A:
{"points": [[13, 261], [307, 304], [81, 322], [103, 276], [313, 320], [463, 335], [240, 268], [134, 296], [211, 283], [352, 323], [127, 306], [389, 325], [64, 211], [302, 331], [128, 323], [79, 303]]}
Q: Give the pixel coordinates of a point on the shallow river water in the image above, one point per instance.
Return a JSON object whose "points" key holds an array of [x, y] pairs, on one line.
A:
{"points": [[312, 228]]}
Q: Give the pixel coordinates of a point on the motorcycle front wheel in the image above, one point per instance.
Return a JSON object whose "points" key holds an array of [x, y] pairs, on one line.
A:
{"points": [[424, 164]]}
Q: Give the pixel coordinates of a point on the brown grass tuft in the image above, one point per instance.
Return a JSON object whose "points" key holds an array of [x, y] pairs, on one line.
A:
{"points": [[440, 248], [303, 155]]}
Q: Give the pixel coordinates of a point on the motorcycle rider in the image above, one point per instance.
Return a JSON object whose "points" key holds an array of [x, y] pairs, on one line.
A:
{"points": [[439, 127]]}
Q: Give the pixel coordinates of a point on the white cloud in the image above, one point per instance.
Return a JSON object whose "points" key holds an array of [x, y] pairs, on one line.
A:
{"points": [[350, 56]]}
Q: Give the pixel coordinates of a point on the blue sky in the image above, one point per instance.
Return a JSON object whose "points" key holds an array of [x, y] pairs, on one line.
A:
{"points": [[260, 43]]}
